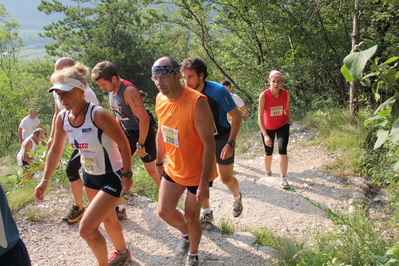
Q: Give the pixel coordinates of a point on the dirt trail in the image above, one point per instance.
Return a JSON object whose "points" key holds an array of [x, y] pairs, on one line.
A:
{"points": [[151, 241]]}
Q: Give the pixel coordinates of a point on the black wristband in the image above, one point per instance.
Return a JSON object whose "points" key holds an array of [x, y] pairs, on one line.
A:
{"points": [[159, 164]]}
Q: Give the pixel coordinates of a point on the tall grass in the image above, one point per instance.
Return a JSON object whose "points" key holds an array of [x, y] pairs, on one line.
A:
{"points": [[143, 184], [227, 227], [345, 137], [352, 240]]}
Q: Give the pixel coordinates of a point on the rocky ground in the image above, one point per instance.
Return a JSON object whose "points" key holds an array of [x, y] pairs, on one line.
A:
{"points": [[285, 213]]}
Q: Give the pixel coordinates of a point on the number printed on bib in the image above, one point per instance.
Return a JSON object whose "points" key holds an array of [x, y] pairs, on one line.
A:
{"points": [[170, 136], [89, 164], [276, 111]]}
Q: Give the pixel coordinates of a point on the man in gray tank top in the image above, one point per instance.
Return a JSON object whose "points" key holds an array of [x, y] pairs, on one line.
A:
{"points": [[128, 107]]}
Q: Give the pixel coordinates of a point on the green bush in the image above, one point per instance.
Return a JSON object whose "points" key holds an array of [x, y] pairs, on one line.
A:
{"points": [[143, 184]]}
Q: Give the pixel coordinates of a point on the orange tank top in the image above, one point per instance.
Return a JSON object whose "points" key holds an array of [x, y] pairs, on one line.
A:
{"points": [[182, 143]]}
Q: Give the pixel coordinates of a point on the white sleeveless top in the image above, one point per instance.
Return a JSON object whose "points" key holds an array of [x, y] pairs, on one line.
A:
{"points": [[21, 152], [99, 153]]}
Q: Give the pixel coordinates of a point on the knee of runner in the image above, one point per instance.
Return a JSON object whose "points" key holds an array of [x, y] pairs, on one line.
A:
{"points": [[161, 213], [227, 179], [165, 215], [86, 232], [282, 151], [110, 220], [73, 178], [191, 217]]}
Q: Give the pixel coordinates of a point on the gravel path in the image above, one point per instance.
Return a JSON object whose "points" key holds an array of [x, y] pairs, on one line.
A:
{"points": [[151, 241]]}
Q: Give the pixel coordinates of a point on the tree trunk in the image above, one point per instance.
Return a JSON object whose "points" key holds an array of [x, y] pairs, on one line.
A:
{"points": [[353, 101]]}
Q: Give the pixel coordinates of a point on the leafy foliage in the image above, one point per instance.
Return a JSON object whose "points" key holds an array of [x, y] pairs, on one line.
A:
{"points": [[384, 78], [10, 43], [353, 241], [114, 30]]}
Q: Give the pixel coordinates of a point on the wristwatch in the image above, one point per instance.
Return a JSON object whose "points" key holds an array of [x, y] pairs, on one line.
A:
{"points": [[232, 143], [139, 146], [127, 174]]}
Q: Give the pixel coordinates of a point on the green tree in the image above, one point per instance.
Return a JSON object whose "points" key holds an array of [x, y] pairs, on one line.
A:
{"points": [[244, 40], [110, 30], [381, 78], [382, 26], [10, 43], [23, 85], [9, 97]]}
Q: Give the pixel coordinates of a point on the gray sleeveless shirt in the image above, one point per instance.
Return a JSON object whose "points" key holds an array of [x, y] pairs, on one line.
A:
{"points": [[122, 110]]}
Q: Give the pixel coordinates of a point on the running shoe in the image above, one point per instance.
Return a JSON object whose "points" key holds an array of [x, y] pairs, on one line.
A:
{"points": [[182, 249], [269, 174], [118, 259], [237, 207], [74, 214], [192, 261], [284, 183], [206, 218], [121, 214]]}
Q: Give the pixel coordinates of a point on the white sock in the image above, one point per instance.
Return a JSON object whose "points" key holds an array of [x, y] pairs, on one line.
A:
{"points": [[237, 198], [121, 207], [207, 210], [123, 252]]}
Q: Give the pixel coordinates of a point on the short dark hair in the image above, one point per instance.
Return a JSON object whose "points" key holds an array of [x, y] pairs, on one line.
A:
{"points": [[104, 70], [196, 63], [225, 82]]}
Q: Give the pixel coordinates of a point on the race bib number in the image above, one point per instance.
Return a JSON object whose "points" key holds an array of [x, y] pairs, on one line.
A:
{"points": [[89, 164], [276, 111], [170, 136]]}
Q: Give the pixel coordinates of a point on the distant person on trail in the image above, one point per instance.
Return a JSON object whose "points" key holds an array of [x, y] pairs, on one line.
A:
{"points": [[135, 120], [73, 166], [185, 135], [13, 251], [28, 146], [274, 118], [28, 124], [237, 99], [194, 72], [106, 171]]}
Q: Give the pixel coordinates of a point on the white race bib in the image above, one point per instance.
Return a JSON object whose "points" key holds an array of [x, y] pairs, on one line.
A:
{"points": [[170, 136], [89, 164], [276, 111]]}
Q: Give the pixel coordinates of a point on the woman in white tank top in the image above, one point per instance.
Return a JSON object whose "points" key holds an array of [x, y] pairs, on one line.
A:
{"points": [[103, 178]]}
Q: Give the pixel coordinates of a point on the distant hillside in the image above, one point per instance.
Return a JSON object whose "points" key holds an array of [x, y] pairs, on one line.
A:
{"points": [[25, 11], [31, 23]]}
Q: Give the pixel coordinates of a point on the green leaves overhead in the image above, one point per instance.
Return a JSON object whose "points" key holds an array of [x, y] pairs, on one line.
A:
{"points": [[93, 31], [242, 40]]}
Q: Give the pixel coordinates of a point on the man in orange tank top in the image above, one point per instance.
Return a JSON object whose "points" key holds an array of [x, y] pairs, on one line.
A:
{"points": [[185, 136]]}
